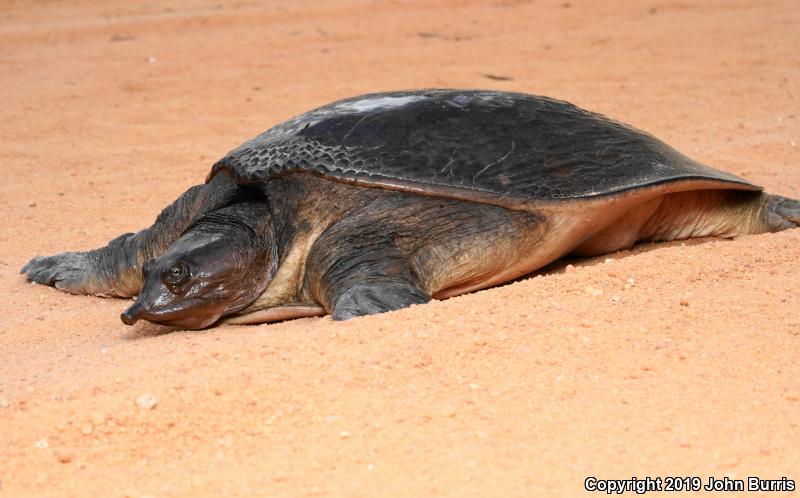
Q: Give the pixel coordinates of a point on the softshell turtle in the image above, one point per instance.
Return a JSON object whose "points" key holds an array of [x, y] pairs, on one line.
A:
{"points": [[381, 201]]}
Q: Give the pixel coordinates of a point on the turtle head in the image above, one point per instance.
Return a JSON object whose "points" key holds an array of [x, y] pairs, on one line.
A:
{"points": [[221, 264]]}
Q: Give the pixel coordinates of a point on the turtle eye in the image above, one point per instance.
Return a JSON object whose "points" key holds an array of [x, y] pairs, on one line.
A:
{"points": [[175, 274]]}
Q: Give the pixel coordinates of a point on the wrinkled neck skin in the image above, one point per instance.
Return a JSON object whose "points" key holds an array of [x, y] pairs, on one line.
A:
{"points": [[246, 235], [230, 256]]}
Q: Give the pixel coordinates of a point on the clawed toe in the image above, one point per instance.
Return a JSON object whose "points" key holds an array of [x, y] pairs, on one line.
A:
{"points": [[789, 209], [369, 300], [69, 271], [781, 213], [39, 270], [33, 265]]}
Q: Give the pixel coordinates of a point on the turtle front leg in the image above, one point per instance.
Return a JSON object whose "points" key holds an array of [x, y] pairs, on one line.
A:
{"points": [[361, 274], [116, 269], [106, 271]]}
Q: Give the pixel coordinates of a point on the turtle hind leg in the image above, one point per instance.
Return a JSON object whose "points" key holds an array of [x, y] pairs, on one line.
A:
{"points": [[719, 213], [116, 269], [780, 213], [699, 213]]}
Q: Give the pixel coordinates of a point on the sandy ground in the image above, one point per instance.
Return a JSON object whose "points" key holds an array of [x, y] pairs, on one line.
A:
{"points": [[111, 109]]}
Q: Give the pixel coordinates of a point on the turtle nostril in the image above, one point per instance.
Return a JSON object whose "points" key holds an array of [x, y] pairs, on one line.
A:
{"points": [[132, 314]]}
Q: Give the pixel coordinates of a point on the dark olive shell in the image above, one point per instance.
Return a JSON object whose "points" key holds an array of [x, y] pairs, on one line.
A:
{"points": [[495, 147]]}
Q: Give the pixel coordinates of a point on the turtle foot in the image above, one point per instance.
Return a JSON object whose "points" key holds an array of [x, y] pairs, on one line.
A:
{"points": [[782, 213], [72, 272], [363, 300]]}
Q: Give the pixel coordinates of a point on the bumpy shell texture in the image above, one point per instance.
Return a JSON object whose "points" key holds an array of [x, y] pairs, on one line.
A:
{"points": [[487, 146]]}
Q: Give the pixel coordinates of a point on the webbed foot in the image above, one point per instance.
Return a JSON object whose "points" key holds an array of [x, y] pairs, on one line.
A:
{"points": [[74, 272], [781, 213], [380, 297]]}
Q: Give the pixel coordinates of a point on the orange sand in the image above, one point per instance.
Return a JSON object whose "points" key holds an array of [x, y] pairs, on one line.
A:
{"points": [[111, 109]]}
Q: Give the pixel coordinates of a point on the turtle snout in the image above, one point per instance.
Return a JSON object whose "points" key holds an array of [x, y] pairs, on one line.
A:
{"points": [[191, 315], [133, 314]]}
